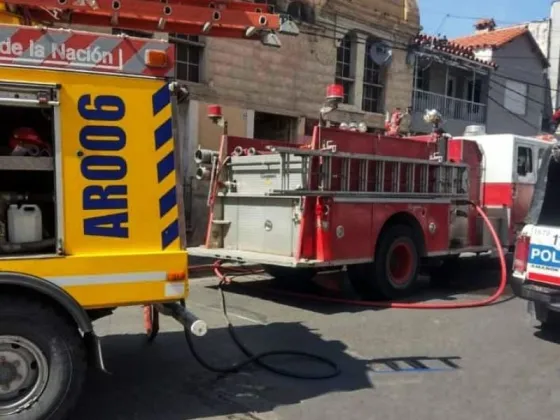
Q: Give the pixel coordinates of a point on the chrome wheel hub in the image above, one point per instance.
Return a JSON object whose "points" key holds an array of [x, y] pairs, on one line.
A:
{"points": [[24, 372]]}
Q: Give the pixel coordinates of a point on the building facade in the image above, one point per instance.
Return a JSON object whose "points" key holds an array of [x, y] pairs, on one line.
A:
{"points": [[547, 34], [276, 94], [518, 94], [451, 79], [277, 91]]}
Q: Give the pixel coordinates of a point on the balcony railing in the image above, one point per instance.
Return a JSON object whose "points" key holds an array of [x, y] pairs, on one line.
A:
{"points": [[450, 108]]}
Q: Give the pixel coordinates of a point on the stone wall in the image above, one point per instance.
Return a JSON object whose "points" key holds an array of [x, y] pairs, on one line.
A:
{"points": [[245, 77], [290, 80]]}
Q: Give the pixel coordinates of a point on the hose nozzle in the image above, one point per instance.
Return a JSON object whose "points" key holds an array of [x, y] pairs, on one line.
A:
{"points": [[203, 173], [204, 156], [238, 151]]}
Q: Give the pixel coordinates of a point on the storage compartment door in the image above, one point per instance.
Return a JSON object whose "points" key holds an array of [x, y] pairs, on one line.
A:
{"points": [[261, 224]]}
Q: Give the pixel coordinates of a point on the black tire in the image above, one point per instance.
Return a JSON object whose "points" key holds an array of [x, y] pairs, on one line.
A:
{"points": [[48, 339], [379, 279], [290, 274], [550, 320]]}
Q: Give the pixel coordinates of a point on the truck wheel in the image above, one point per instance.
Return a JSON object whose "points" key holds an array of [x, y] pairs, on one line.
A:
{"points": [[394, 271], [42, 361], [549, 320], [290, 274]]}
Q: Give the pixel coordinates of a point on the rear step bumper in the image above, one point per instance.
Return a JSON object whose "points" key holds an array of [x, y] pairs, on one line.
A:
{"points": [[259, 258], [536, 293]]}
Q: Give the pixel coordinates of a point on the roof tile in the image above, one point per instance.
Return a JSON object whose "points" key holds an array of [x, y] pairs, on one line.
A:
{"points": [[494, 39], [450, 47]]}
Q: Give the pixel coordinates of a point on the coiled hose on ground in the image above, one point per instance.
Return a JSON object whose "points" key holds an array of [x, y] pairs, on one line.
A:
{"points": [[258, 358]]}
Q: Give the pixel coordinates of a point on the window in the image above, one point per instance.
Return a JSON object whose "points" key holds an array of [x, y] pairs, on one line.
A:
{"points": [[275, 127], [524, 160], [515, 98], [300, 12], [372, 99], [422, 78], [475, 96], [188, 56], [344, 69], [451, 87]]}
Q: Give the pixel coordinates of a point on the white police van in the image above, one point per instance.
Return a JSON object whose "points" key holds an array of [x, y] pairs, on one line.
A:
{"points": [[536, 265]]}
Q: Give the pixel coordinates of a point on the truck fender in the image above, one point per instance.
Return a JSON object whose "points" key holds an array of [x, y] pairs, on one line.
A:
{"points": [[51, 291], [63, 299], [408, 219]]}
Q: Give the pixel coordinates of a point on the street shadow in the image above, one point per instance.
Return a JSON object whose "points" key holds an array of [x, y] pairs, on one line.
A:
{"points": [[415, 364], [548, 334], [163, 381], [332, 293]]}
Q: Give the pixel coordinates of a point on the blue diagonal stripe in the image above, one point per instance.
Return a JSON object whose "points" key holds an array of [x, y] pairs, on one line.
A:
{"points": [[167, 201], [161, 99], [164, 133], [170, 234], [166, 166]]}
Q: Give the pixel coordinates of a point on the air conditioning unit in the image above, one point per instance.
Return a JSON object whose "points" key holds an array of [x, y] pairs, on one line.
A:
{"points": [[474, 130]]}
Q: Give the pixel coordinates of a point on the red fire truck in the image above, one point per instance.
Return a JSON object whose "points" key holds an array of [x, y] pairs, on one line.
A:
{"points": [[379, 205]]}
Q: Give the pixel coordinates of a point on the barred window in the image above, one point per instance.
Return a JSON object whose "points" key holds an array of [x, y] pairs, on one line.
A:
{"points": [[372, 100], [188, 57], [344, 68]]}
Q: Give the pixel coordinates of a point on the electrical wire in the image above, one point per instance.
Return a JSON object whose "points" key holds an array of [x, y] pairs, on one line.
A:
{"points": [[442, 23], [513, 114], [517, 116], [342, 30], [410, 48], [329, 26], [523, 95], [392, 43], [338, 30], [413, 47], [399, 46], [463, 17], [496, 73], [540, 85], [402, 46]]}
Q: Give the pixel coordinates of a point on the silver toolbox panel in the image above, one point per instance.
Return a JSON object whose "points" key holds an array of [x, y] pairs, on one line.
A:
{"points": [[260, 174], [261, 224]]}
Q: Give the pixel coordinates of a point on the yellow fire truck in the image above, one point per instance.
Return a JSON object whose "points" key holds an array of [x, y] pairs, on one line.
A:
{"points": [[91, 212]]}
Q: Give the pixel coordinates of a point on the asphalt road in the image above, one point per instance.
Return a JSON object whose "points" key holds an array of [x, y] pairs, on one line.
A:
{"points": [[499, 364]]}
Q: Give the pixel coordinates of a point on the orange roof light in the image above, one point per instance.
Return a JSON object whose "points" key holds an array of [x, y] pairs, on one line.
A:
{"points": [[156, 58]]}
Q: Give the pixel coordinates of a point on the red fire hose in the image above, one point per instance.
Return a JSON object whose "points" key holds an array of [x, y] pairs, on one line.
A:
{"points": [[402, 305], [259, 359]]}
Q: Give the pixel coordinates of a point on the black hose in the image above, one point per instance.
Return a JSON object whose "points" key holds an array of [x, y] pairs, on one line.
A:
{"points": [[257, 359]]}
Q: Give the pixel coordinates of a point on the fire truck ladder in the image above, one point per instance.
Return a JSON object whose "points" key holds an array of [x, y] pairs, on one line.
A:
{"points": [[422, 178], [219, 18]]}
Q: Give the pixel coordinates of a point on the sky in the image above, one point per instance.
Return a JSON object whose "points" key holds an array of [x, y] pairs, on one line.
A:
{"points": [[455, 18]]}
